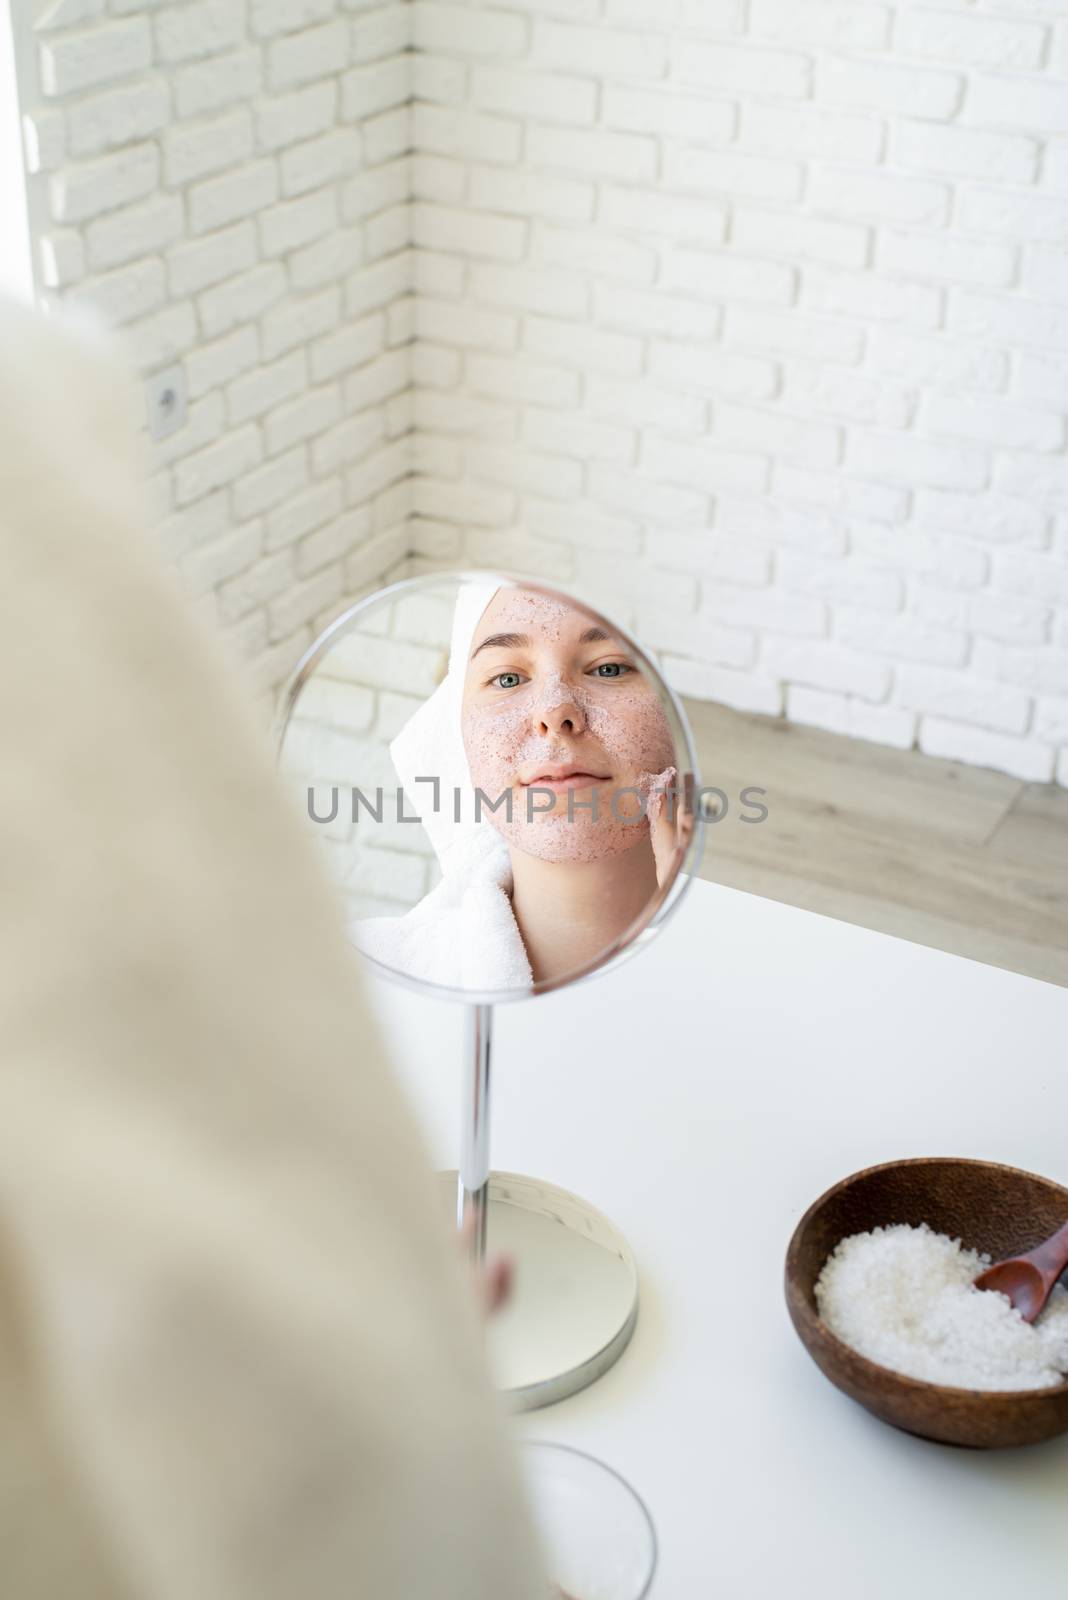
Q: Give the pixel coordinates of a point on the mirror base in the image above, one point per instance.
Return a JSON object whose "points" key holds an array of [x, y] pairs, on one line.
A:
{"points": [[575, 1301]]}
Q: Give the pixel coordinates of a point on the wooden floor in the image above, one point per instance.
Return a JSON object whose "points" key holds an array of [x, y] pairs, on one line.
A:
{"points": [[946, 855]]}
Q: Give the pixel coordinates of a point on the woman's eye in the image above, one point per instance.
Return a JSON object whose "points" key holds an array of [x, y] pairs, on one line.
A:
{"points": [[611, 669], [506, 680]]}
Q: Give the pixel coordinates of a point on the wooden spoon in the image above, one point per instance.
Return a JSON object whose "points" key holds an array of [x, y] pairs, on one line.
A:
{"points": [[1028, 1280]]}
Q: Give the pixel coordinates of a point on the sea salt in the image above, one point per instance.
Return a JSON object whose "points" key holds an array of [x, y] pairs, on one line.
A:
{"points": [[904, 1297]]}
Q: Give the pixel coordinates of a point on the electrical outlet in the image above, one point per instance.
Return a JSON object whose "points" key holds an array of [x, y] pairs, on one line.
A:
{"points": [[166, 400]]}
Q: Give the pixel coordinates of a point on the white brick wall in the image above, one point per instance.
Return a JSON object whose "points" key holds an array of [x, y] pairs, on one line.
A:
{"points": [[748, 316], [220, 179], [751, 316]]}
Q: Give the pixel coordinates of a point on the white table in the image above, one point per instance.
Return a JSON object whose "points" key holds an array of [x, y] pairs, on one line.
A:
{"points": [[703, 1095]]}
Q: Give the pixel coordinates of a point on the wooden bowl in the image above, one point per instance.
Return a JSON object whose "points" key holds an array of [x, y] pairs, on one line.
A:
{"points": [[1000, 1210]]}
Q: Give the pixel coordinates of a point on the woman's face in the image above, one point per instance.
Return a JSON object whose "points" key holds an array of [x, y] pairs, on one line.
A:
{"points": [[558, 717]]}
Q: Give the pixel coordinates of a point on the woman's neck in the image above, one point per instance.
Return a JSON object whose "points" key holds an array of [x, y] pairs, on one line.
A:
{"points": [[570, 912]]}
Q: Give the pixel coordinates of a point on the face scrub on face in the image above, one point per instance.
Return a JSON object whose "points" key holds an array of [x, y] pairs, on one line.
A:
{"points": [[558, 700]]}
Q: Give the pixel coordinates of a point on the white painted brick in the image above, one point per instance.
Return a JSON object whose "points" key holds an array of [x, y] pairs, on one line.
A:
{"points": [[1042, 376], [289, 118], [436, 413], [849, 395], [389, 233], [805, 130], [528, 194], [842, 24], [600, 51], [250, 396], [374, 382], [673, 316], [123, 114], [779, 233], [878, 196], [300, 419], [74, 62], [839, 713], [240, 299], [786, 334], [303, 514], [1040, 477], [433, 368], [1043, 577], [593, 153], [772, 610], [130, 292], [303, 57], [350, 347], [840, 582], [368, 90], [443, 81], [583, 437], [260, 582], [644, 404], [741, 70], [536, 288], [515, 380], [204, 569], [457, 30], [853, 294], [200, 263], [221, 463], [1051, 723], [522, 469], [597, 252], [996, 422], [702, 466], [156, 341], [1041, 669], [954, 696], [1013, 215], [384, 31], [978, 41], [910, 459], [825, 664], [469, 232], [376, 189], [703, 370], [184, 530], [294, 223], [886, 86], [1046, 273], [696, 118], [271, 484], [1056, 166], [949, 563], [236, 194], [992, 518], [1015, 621], [205, 147], [456, 131], [463, 325], [333, 542], [965, 153], [204, 28], [268, 17], [67, 14], [62, 257], [438, 277], [722, 275], [138, 230], [581, 524], [213, 365], [904, 636], [299, 321], [728, 172], [327, 259], [740, 427], [741, 690], [1018, 102], [932, 359], [1005, 319], [1022, 758], [438, 178], [634, 492], [400, 324], [984, 263], [217, 84], [44, 138], [545, 96], [387, 135], [379, 471], [303, 600]]}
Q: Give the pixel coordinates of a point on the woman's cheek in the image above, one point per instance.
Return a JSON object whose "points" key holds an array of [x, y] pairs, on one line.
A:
{"points": [[634, 729], [492, 737]]}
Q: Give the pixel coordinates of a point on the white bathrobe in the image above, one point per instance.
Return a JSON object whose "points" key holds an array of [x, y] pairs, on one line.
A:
{"points": [[463, 934], [238, 1360]]}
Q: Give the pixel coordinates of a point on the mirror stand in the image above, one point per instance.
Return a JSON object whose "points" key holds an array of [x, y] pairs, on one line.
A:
{"points": [[574, 1304]]}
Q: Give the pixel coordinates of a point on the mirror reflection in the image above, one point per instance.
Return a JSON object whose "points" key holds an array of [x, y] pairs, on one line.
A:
{"points": [[501, 779]]}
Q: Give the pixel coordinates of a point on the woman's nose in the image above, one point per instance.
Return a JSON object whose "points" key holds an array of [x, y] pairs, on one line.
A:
{"points": [[558, 711]]}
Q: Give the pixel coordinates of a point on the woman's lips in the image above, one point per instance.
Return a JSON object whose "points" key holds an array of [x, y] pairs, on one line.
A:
{"points": [[573, 780]]}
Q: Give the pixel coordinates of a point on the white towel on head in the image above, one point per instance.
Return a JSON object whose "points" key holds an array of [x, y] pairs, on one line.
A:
{"points": [[463, 934]]}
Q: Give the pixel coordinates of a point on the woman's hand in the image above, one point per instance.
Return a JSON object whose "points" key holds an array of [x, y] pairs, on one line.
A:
{"points": [[670, 813]]}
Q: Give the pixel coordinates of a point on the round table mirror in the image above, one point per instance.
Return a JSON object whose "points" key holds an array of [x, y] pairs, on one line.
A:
{"points": [[503, 787]]}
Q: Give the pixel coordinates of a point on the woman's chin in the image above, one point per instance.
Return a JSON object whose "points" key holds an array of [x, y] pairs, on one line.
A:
{"points": [[563, 842]]}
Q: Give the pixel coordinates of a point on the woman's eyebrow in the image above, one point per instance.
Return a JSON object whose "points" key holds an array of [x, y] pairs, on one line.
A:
{"points": [[502, 641], [592, 635]]}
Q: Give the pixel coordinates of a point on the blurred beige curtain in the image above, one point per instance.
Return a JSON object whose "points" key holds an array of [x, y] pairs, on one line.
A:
{"points": [[238, 1360]]}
